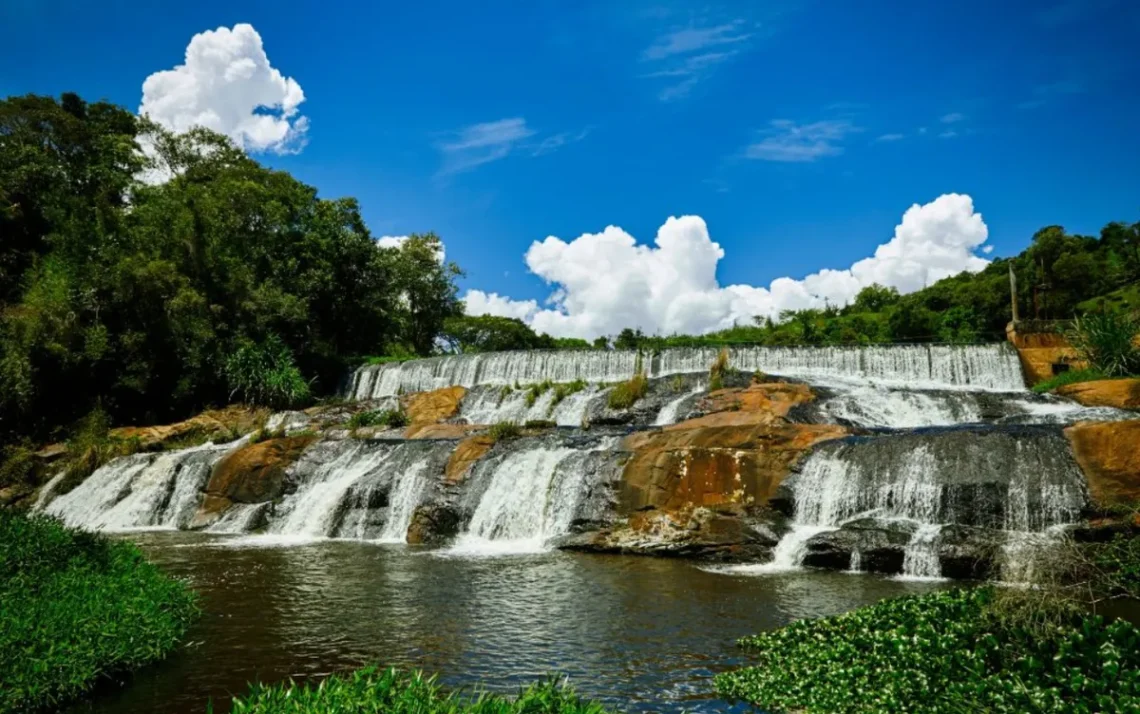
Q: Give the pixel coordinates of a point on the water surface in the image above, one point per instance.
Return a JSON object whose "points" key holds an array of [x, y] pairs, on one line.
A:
{"points": [[641, 634]]}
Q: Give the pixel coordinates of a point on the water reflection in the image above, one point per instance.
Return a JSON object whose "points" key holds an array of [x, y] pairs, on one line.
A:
{"points": [[642, 634]]}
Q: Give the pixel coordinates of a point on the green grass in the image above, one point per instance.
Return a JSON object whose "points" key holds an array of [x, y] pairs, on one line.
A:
{"points": [[504, 430], [626, 394], [1073, 376], [561, 391], [535, 391], [391, 418], [1126, 298], [76, 607], [945, 652], [373, 690]]}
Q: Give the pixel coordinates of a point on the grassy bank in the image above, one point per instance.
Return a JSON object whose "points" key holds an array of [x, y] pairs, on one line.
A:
{"points": [[76, 607], [945, 652], [394, 692]]}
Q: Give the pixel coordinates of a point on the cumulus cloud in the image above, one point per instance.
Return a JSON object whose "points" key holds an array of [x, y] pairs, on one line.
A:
{"points": [[397, 241], [605, 281], [787, 141], [227, 84]]}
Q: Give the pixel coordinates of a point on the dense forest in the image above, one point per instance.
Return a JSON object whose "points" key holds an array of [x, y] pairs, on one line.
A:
{"points": [[146, 285]]}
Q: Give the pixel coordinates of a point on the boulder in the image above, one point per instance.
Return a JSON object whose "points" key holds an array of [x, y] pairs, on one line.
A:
{"points": [[434, 406], [1109, 455], [441, 431], [765, 403], [1118, 393], [253, 474], [433, 524], [881, 545]]}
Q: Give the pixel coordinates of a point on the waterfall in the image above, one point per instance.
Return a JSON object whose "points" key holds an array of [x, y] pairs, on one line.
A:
{"points": [[987, 367], [668, 413], [898, 409], [312, 511], [239, 518], [47, 490], [402, 502], [492, 405], [920, 558], [141, 491]]}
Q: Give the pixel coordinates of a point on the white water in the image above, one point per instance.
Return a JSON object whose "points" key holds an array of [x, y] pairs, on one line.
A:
{"points": [[313, 509], [238, 518], [492, 406], [871, 406], [402, 501], [141, 491], [920, 558], [668, 413], [787, 556], [47, 490]]}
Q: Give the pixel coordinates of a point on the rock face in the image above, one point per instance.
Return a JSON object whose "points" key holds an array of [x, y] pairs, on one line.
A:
{"points": [[755, 404], [466, 453], [253, 474], [1040, 350], [433, 407], [1118, 393], [217, 424], [1109, 455]]}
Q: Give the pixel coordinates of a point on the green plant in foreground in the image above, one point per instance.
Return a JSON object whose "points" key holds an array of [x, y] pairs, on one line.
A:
{"points": [[78, 607], [504, 430], [391, 691], [626, 394], [1073, 376], [944, 652]]}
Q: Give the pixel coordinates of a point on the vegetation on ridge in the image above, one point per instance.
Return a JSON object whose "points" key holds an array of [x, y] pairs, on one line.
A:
{"points": [[78, 607]]}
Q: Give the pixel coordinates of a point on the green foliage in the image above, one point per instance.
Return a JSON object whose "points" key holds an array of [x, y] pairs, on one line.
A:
{"points": [[1118, 565], [718, 371], [1072, 376], [626, 394], [389, 418], [504, 392], [945, 652], [489, 333], [391, 691], [1106, 341], [504, 430], [677, 384], [630, 339], [539, 424], [91, 445], [265, 375], [77, 608], [565, 389], [535, 391], [140, 307]]}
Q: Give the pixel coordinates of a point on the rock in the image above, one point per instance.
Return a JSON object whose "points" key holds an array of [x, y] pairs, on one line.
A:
{"points": [[764, 403], [1109, 455], [880, 543], [1118, 393], [218, 425], [252, 474], [466, 453], [434, 406], [51, 453], [442, 431], [968, 553], [433, 524]]}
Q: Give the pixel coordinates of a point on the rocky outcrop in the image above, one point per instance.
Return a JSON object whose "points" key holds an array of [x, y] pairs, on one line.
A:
{"points": [[755, 404], [433, 407], [1118, 393], [441, 431], [434, 524], [1109, 455], [466, 453], [214, 425], [253, 474], [964, 552]]}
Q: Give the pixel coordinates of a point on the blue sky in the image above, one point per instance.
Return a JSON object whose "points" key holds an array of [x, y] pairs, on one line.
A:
{"points": [[800, 132]]}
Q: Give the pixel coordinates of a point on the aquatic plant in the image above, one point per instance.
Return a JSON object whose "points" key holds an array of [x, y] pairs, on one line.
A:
{"points": [[563, 390], [535, 391], [78, 607], [394, 692], [944, 652]]}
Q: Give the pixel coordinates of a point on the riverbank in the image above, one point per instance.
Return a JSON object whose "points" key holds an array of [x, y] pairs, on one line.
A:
{"points": [[78, 608], [954, 651]]}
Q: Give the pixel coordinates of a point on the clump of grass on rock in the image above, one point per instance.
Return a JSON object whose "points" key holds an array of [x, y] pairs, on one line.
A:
{"points": [[394, 692], [76, 607], [626, 394]]}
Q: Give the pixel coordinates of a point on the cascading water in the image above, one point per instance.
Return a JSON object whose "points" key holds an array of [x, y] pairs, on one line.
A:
{"points": [[313, 509], [869, 406], [402, 502], [920, 558], [668, 413], [141, 491], [492, 405]]}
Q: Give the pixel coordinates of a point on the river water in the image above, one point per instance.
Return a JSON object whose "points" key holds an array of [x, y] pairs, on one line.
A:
{"points": [[641, 634]]}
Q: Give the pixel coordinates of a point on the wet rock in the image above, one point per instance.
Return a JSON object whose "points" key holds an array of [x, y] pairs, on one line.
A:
{"points": [[256, 473], [967, 553], [763, 403], [434, 406], [434, 524], [1109, 455], [880, 543], [466, 453]]}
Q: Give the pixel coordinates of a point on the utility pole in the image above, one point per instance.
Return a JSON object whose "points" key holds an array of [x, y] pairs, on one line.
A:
{"points": [[1013, 292]]}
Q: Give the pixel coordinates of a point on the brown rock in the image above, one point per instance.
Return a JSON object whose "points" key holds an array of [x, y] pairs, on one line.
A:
{"points": [[1109, 455], [466, 453], [1119, 393], [433, 407], [216, 424], [692, 464], [1037, 362], [755, 404], [255, 473], [441, 431]]}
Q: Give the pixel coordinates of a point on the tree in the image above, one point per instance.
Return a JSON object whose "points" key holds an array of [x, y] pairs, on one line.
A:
{"points": [[629, 339], [490, 333], [874, 298], [426, 287]]}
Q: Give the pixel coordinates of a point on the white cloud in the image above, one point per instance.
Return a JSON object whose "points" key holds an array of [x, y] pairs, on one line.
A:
{"points": [[397, 241], [483, 143], [554, 142], [952, 118], [948, 134], [605, 281], [687, 56], [891, 137], [227, 84], [787, 141]]}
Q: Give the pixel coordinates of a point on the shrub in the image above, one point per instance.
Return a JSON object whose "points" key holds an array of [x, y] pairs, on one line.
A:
{"points": [[504, 430], [91, 445], [626, 394], [759, 377], [561, 391], [944, 652], [539, 424], [1105, 340], [390, 418], [677, 384], [264, 374], [77, 608], [394, 692], [1073, 376], [718, 370], [537, 390]]}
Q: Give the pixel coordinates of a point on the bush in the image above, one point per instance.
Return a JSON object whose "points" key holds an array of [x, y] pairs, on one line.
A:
{"points": [[91, 445], [394, 692], [1073, 376], [537, 390], [626, 394], [504, 430], [504, 392], [944, 652], [539, 424], [78, 607], [561, 391], [1105, 340], [390, 418], [264, 374], [718, 371]]}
